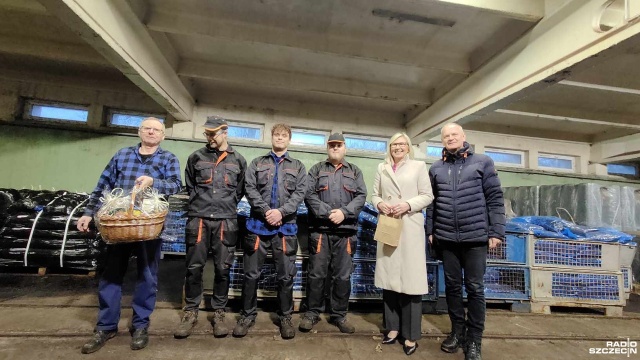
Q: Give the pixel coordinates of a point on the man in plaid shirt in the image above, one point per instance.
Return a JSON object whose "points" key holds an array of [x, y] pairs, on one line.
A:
{"points": [[144, 165]]}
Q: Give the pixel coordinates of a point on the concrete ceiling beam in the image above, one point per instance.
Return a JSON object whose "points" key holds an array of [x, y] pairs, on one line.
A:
{"points": [[301, 82], [342, 46], [569, 119], [114, 30], [600, 87], [58, 51], [556, 43], [527, 10], [626, 148]]}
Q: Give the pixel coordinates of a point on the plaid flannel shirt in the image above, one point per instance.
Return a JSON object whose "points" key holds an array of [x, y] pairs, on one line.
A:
{"points": [[127, 165]]}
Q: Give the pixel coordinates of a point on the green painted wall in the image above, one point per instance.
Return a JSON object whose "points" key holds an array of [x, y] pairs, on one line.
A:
{"points": [[72, 160]]}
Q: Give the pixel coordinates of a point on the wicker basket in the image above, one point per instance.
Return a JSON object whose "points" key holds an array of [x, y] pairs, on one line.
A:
{"points": [[127, 229]]}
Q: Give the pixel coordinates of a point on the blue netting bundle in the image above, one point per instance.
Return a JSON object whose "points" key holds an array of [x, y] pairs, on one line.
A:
{"points": [[553, 227]]}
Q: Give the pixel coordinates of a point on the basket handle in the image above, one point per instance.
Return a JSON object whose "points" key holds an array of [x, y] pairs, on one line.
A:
{"points": [[134, 192]]}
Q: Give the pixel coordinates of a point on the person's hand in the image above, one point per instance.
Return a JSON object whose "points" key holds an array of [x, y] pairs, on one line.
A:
{"points": [[399, 209], [83, 223], [336, 216], [493, 242], [384, 208], [430, 239], [144, 182], [273, 217]]}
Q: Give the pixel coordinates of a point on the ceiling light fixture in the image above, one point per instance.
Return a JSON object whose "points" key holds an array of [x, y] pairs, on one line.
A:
{"points": [[400, 17]]}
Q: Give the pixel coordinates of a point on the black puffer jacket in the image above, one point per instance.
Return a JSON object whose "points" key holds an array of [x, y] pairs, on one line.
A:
{"points": [[468, 204]]}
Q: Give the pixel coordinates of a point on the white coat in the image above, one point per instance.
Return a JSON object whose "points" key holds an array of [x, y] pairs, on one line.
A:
{"points": [[403, 268]]}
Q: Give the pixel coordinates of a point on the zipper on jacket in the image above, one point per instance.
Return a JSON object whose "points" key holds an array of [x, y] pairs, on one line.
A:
{"points": [[454, 187]]}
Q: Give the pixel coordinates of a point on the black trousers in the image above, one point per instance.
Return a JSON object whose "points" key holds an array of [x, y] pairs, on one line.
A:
{"points": [[402, 313], [284, 249], [472, 258], [336, 250], [202, 236]]}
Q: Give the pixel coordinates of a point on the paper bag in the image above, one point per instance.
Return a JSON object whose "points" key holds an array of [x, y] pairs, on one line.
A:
{"points": [[389, 230]]}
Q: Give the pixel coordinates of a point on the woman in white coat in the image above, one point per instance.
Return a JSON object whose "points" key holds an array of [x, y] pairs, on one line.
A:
{"points": [[402, 189]]}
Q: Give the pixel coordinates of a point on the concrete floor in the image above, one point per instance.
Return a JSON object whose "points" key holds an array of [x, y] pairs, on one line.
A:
{"points": [[50, 317]]}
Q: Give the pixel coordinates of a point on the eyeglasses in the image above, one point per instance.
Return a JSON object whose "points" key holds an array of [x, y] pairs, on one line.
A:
{"points": [[398, 144], [150, 129], [212, 135]]}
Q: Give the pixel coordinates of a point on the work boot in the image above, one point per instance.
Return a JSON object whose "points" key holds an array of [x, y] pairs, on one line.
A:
{"points": [[189, 320], [307, 322], [473, 351], [287, 331], [98, 340], [452, 343], [219, 327], [139, 339], [345, 326], [242, 327]]}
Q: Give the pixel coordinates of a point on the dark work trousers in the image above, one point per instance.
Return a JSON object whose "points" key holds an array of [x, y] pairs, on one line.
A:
{"points": [[284, 250], [324, 250], [402, 313], [110, 286], [472, 258], [204, 235]]}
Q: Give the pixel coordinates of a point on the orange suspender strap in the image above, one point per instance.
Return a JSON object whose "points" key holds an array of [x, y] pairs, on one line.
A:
{"points": [[284, 245], [221, 230], [257, 244], [319, 247], [199, 232]]}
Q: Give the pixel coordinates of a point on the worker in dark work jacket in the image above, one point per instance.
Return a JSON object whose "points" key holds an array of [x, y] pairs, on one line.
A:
{"points": [[336, 195], [215, 181], [275, 184]]}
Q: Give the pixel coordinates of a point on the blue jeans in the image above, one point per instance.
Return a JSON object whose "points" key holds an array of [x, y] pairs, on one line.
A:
{"points": [[110, 287], [472, 258]]}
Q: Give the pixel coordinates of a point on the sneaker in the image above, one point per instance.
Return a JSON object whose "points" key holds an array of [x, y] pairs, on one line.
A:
{"points": [[307, 322], [287, 331], [98, 340], [242, 327], [219, 327], [139, 339], [345, 326], [473, 351], [452, 343], [187, 323]]}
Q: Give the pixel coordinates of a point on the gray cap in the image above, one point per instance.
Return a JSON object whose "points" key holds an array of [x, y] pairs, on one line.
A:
{"points": [[336, 137], [215, 123]]}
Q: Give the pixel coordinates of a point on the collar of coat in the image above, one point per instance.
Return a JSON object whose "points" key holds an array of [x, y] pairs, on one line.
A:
{"points": [[462, 153]]}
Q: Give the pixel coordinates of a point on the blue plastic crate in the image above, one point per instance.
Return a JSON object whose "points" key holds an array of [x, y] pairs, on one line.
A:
{"points": [[513, 250], [174, 247], [365, 248], [433, 280], [500, 282], [268, 278], [363, 281]]}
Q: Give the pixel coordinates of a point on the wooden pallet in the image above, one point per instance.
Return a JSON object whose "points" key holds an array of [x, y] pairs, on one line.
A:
{"points": [[545, 307], [42, 271], [519, 306]]}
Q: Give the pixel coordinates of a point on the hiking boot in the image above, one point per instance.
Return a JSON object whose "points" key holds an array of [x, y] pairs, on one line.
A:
{"points": [[189, 320], [139, 339], [307, 322], [98, 340], [287, 331], [345, 326], [242, 327], [473, 351], [220, 329], [452, 343]]}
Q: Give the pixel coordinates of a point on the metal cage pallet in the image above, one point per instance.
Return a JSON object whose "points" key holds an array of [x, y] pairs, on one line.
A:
{"points": [[579, 255], [627, 280], [501, 282], [511, 251], [562, 286]]}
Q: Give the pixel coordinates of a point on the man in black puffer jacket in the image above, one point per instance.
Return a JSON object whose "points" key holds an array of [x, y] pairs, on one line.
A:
{"points": [[467, 217]]}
